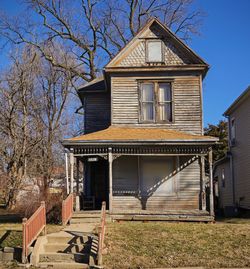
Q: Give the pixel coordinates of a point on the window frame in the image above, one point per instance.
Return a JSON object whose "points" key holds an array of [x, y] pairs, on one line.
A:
{"points": [[147, 50], [156, 119], [232, 139]]}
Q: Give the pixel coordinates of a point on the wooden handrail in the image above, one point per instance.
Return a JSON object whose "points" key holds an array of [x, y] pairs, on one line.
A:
{"points": [[101, 234], [67, 208], [32, 227]]}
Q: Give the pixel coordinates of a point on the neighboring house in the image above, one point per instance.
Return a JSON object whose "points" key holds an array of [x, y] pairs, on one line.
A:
{"points": [[233, 171], [143, 149]]}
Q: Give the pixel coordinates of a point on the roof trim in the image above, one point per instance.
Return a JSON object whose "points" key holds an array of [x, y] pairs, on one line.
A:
{"points": [[165, 28], [237, 102], [86, 86]]}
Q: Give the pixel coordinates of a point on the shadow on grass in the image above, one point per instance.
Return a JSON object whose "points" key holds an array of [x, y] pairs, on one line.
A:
{"points": [[11, 238]]}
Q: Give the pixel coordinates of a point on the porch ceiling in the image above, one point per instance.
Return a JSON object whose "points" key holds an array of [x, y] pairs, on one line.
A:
{"points": [[125, 135]]}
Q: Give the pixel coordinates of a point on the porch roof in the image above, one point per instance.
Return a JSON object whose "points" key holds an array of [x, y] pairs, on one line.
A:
{"points": [[117, 135]]}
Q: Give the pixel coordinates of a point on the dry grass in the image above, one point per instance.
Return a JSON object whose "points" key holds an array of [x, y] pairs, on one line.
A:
{"points": [[158, 244], [11, 233]]}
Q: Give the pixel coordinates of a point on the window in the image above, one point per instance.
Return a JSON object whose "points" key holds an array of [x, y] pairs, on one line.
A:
{"points": [[156, 102], [232, 132], [154, 51], [223, 177]]}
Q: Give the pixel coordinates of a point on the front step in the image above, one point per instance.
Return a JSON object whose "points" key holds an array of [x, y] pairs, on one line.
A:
{"points": [[63, 257], [63, 238], [64, 265], [67, 248]]}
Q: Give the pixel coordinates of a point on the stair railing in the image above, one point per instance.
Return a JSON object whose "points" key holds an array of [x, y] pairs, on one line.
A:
{"points": [[101, 234], [67, 208], [32, 227]]}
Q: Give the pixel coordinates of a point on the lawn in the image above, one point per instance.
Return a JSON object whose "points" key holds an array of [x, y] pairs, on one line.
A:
{"points": [[11, 233], [159, 244]]}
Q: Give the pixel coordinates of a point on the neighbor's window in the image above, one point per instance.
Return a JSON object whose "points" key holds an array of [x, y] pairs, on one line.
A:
{"points": [[233, 131], [154, 51], [223, 177], [156, 102]]}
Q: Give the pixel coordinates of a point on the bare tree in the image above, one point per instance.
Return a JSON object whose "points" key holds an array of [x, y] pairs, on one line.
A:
{"points": [[92, 31], [17, 136]]}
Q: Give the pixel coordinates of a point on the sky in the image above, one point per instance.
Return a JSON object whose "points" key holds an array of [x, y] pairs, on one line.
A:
{"points": [[224, 43]]}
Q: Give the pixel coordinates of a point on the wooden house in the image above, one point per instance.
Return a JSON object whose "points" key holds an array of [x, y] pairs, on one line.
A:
{"points": [[233, 171], [143, 149]]}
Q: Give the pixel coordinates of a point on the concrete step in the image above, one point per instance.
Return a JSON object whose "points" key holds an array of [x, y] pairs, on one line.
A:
{"points": [[86, 215], [67, 248], [84, 220], [63, 257], [63, 265], [67, 239]]}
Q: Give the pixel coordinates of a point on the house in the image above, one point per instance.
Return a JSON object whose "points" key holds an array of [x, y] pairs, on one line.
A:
{"points": [[233, 171], [143, 149]]}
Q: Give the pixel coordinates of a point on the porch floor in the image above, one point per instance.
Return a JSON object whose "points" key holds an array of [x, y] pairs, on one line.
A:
{"points": [[161, 215]]}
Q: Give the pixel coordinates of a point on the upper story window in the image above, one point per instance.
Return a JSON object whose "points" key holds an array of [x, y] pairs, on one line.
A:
{"points": [[154, 51], [232, 132], [156, 102]]}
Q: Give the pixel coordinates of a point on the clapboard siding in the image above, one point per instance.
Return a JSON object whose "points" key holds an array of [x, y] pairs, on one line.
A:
{"points": [[241, 153], [187, 101], [188, 187], [97, 111]]}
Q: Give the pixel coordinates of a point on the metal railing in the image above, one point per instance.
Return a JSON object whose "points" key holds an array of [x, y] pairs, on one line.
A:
{"points": [[101, 234], [32, 227], [67, 208]]}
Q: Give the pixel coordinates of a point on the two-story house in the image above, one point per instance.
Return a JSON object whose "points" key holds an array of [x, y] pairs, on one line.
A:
{"points": [[232, 173], [143, 149]]}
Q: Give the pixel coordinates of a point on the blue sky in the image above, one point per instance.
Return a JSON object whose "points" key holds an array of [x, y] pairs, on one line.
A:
{"points": [[224, 44]]}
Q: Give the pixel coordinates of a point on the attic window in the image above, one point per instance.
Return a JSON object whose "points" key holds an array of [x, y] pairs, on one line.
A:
{"points": [[154, 51]]}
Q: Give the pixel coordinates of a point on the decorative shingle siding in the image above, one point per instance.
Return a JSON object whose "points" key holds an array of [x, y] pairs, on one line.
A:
{"points": [[137, 56]]}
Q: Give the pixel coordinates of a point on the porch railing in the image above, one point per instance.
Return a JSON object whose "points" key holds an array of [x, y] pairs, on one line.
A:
{"points": [[32, 227], [67, 208], [101, 234]]}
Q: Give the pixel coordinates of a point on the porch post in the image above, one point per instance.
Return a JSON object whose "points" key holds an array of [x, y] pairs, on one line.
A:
{"points": [[67, 172], [110, 159], [71, 161], [211, 195], [77, 185], [202, 184]]}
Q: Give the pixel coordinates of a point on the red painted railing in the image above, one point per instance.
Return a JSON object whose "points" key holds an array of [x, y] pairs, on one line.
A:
{"points": [[67, 209], [101, 234], [32, 227]]}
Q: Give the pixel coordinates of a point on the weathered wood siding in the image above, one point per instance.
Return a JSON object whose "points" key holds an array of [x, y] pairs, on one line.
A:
{"points": [[188, 187], [241, 153], [97, 111], [187, 108]]}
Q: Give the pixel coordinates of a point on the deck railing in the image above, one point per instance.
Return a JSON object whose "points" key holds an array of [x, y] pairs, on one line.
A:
{"points": [[32, 227], [67, 209], [101, 234]]}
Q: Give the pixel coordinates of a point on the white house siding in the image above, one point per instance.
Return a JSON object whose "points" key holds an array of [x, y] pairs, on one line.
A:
{"points": [[241, 153]]}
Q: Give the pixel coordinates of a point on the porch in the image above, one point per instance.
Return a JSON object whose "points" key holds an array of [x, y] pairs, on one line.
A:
{"points": [[142, 180]]}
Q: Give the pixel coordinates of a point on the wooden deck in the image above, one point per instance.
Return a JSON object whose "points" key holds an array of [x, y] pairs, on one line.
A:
{"points": [[147, 215], [170, 215]]}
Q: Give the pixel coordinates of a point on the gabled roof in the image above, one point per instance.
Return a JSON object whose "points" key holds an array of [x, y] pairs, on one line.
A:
{"points": [[168, 33], [237, 102], [139, 135]]}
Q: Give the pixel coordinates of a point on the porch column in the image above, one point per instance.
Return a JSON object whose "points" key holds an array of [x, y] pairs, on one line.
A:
{"points": [[202, 184], [71, 161], [211, 195], [110, 159], [67, 172], [77, 184]]}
